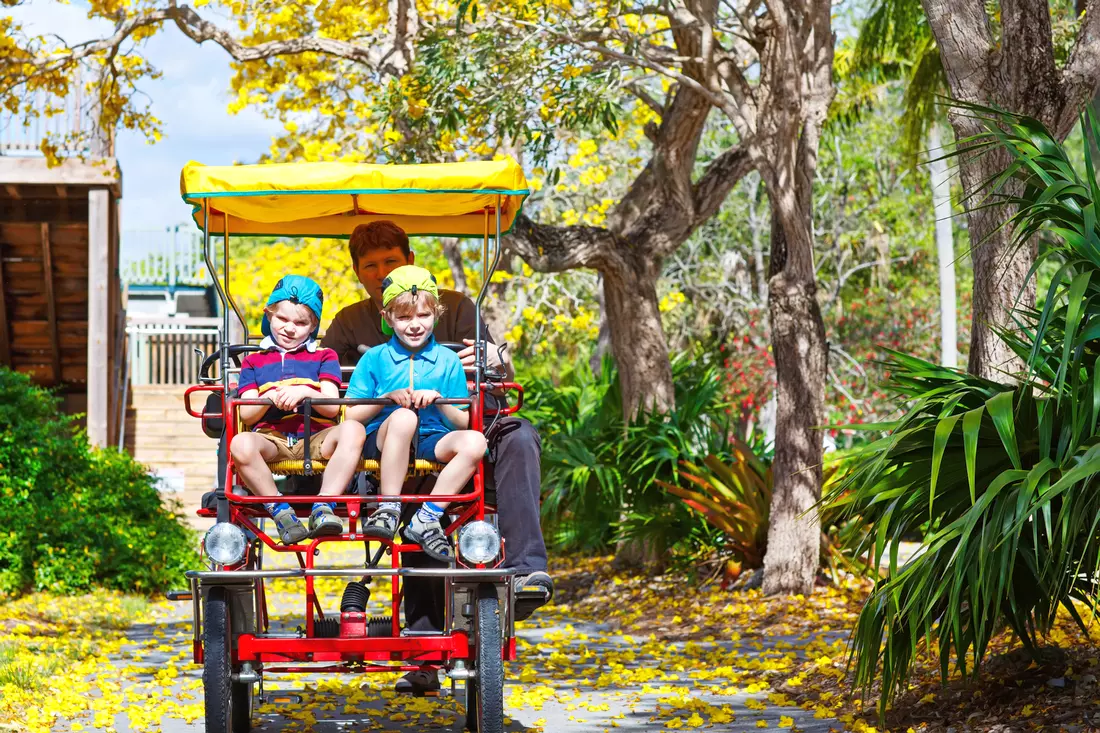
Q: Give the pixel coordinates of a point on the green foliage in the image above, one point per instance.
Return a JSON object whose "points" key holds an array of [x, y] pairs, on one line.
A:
{"points": [[1004, 477], [75, 517], [600, 474], [734, 497]]}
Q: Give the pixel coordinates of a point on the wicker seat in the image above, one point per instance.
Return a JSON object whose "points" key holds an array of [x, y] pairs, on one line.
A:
{"points": [[297, 467]]}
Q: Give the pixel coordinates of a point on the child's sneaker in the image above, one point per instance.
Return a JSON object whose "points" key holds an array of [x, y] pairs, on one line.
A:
{"points": [[324, 522], [291, 531], [382, 523], [431, 538]]}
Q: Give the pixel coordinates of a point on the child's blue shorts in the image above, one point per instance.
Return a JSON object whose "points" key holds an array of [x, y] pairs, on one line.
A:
{"points": [[425, 448]]}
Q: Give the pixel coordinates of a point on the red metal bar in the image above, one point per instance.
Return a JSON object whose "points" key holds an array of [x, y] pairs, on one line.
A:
{"points": [[249, 647], [506, 386], [349, 668], [201, 388], [395, 592]]}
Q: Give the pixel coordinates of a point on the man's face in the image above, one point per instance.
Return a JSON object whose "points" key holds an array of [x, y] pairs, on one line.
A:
{"points": [[375, 265], [291, 324]]}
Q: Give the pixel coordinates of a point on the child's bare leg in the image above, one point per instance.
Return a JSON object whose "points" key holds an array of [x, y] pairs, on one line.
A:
{"points": [[461, 450], [250, 455], [342, 448], [394, 440]]}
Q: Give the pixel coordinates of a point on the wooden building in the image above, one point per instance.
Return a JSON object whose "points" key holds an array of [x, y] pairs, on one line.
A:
{"points": [[61, 313]]}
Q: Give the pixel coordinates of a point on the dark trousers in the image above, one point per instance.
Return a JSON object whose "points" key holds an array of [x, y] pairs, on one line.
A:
{"points": [[515, 469]]}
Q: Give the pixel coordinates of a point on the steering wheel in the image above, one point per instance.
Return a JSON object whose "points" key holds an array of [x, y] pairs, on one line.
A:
{"points": [[235, 352]]}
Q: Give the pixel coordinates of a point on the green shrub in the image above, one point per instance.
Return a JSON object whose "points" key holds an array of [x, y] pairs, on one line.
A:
{"points": [[74, 517], [600, 475]]}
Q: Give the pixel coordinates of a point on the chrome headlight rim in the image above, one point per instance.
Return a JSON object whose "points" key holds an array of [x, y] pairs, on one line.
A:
{"points": [[225, 544], [479, 542]]}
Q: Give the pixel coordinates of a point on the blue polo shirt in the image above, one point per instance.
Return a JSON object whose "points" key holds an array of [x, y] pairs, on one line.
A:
{"points": [[385, 369]]}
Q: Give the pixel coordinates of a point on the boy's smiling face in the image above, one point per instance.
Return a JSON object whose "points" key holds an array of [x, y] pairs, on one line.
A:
{"points": [[291, 323], [413, 325]]}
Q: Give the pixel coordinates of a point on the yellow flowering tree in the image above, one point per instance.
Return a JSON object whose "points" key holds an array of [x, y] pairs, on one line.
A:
{"points": [[401, 80]]}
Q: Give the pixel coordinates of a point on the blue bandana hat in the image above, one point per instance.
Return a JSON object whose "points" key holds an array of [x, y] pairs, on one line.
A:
{"points": [[300, 290]]}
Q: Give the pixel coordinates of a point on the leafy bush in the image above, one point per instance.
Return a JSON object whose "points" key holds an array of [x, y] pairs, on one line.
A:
{"points": [[74, 517], [1004, 476], [600, 475], [735, 498]]}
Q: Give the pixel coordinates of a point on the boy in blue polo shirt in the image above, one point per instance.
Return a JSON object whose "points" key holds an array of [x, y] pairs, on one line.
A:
{"points": [[414, 371], [291, 368]]}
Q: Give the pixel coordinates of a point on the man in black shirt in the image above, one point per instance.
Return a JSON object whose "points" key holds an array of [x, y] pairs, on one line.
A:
{"points": [[376, 250]]}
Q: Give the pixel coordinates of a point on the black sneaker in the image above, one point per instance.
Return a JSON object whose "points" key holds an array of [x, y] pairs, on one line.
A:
{"points": [[533, 591], [419, 682]]}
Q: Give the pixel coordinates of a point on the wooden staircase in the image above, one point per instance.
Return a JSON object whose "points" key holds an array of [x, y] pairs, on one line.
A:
{"points": [[170, 442]]}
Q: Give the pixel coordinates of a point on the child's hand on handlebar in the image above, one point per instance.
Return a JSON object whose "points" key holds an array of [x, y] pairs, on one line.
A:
{"points": [[402, 397], [424, 397], [288, 397]]}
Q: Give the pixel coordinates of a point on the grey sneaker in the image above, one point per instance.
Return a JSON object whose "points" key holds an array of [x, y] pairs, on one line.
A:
{"points": [[532, 592], [431, 538], [323, 522], [291, 531]]}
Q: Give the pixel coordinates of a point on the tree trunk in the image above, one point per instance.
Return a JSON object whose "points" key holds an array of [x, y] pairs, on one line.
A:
{"points": [[1001, 279], [637, 338], [800, 352], [945, 249], [603, 338], [798, 342], [452, 251]]}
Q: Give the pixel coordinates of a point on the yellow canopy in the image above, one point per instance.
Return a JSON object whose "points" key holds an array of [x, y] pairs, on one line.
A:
{"points": [[331, 199]]}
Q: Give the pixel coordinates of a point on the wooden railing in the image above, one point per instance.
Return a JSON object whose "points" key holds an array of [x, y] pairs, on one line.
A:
{"points": [[162, 350]]}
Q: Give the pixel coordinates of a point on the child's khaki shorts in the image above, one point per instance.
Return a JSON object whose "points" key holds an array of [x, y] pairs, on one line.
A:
{"points": [[296, 452]]}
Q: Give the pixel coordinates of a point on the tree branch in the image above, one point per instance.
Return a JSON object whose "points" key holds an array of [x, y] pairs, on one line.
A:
{"points": [[199, 30], [723, 173], [547, 248]]}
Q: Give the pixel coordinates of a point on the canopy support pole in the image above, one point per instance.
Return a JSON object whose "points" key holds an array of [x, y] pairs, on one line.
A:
{"points": [[221, 502]]}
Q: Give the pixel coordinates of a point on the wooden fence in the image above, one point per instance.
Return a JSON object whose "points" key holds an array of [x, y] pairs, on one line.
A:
{"points": [[163, 350]]}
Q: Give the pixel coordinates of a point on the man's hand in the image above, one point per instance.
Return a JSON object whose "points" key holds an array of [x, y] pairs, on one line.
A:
{"points": [[403, 397], [467, 355], [424, 397]]}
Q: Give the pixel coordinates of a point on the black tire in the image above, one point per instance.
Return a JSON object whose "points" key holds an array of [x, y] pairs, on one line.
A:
{"points": [[485, 693], [228, 703]]}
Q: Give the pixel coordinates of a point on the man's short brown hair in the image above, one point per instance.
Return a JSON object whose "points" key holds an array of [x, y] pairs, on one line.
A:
{"points": [[377, 235]]}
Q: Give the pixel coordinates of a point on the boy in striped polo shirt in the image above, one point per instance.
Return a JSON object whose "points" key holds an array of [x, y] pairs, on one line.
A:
{"points": [[291, 368]]}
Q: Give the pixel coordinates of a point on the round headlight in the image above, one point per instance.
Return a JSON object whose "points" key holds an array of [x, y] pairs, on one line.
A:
{"points": [[225, 543], [479, 542]]}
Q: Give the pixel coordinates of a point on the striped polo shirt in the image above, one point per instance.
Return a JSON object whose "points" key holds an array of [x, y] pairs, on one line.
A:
{"points": [[308, 364]]}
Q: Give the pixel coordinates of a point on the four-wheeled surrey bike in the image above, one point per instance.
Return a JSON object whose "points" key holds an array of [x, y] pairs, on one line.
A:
{"points": [[233, 639]]}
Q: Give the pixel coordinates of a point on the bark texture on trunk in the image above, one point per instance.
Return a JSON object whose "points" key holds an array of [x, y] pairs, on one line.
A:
{"points": [[1016, 72], [646, 377], [798, 342], [801, 82]]}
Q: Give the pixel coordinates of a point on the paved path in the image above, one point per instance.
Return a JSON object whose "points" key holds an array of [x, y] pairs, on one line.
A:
{"points": [[571, 676]]}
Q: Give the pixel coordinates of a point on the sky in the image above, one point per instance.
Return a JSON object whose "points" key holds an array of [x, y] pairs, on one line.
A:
{"points": [[191, 100]]}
